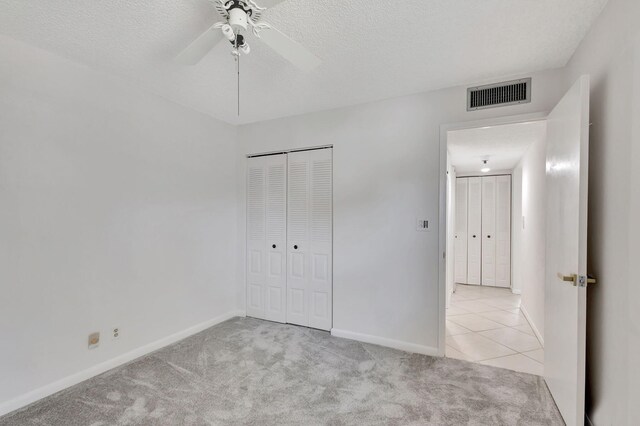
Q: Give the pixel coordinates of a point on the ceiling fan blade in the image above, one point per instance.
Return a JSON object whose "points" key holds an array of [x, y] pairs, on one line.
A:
{"points": [[268, 4], [200, 46], [291, 50]]}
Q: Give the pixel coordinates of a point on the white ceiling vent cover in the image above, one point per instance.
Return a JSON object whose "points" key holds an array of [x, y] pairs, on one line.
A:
{"points": [[499, 94]]}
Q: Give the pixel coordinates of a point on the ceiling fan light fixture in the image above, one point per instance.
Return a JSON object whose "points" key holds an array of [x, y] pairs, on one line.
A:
{"points": [[228, 32]]}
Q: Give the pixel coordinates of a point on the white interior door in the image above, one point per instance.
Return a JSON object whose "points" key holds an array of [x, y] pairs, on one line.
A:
{"points": [[310, 239], [503, 231], [566, 251], [474, 231], [489, 231], [460, 245], [266, 237]]}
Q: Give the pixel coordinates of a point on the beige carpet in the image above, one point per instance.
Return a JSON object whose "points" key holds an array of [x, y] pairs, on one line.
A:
{"points": [[252, 372]]}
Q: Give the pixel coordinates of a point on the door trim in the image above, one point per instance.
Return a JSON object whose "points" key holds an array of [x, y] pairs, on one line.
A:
{"points": [[442, 204], [266, 154]]}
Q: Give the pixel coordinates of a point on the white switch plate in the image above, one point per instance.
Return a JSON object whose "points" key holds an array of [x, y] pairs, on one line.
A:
{"points": [[423, 225]]}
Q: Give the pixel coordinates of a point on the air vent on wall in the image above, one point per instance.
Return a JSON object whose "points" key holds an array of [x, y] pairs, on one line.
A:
{"points": [[500, 94]]}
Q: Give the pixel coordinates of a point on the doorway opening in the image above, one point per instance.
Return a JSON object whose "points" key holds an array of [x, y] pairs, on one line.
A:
{"points": [[495, 244]]}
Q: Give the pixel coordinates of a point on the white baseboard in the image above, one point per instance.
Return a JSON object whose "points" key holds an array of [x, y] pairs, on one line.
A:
{"points": [[516, 291], [382, 341], [44, 391], [533, 326]]}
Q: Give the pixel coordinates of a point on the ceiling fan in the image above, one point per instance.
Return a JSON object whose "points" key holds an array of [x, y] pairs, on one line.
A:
{"points": [[239, 18]]}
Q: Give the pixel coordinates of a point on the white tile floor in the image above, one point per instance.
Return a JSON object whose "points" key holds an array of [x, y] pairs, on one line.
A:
{"points": [[485, 325]]}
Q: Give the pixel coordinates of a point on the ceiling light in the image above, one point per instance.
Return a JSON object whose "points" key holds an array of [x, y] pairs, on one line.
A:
{"points": [[486, 168], [228, 32]]}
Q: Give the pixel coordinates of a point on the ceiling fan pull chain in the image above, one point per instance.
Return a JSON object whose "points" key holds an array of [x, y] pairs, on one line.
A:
{"points": [[238, 65]]}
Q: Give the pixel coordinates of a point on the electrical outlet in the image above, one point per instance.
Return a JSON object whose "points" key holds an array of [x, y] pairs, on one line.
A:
{"points": [[94, 340], [115, 333]]}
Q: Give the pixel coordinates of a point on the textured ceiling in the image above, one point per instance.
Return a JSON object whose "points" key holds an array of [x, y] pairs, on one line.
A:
{"points": [[504, 146], [370, 49]]}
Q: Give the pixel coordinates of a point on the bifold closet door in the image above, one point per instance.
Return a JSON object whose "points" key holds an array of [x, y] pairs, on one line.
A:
{"points": [[489, 231], [460, 245], [503, 231], [266, 237], [309, 239], [474, 231]]}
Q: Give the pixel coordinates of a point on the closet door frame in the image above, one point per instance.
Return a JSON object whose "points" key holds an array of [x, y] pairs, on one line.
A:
{"points": [[495, 230]]}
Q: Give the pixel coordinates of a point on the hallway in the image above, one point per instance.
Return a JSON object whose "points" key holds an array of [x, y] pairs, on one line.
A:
{"points": [[486, 325]]}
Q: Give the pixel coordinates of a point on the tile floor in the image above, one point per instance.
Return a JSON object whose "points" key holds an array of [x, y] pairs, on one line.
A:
{"points": [[485, 325]]}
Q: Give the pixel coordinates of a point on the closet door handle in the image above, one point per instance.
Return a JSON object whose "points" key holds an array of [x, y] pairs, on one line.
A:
{"points": [[488, 236], [273, 246], [295, 247], [474, 236]]}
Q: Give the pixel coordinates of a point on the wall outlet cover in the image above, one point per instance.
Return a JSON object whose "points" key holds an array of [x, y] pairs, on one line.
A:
{"points": [[94, 340], [115, 333]]}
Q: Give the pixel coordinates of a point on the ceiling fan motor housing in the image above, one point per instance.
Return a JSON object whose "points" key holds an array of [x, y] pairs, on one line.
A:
{"points": [[238, 14]]}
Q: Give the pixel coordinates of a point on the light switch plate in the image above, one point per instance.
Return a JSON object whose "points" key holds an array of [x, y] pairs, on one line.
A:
{"points": [[423, 225]]}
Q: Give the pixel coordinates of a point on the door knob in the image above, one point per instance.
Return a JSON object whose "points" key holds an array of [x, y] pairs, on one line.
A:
{"points": [[295, 247], [488, 236], [273, 246], [474, 236], [578, 280], [573, 278]]}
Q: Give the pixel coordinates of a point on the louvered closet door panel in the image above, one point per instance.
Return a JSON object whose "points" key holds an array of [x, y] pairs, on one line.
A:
{"points": [[460, 246], [474, 232], [266, 228], [309, 236], [489, 231], [276, 249], [503, 231], [256, 237], [298, 239], [321, 253]]}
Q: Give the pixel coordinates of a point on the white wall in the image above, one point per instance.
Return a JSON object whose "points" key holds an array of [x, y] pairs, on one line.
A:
{"points": [[530, 239], [516, 230], [611, 55], [117, 208], [386, 175]]}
